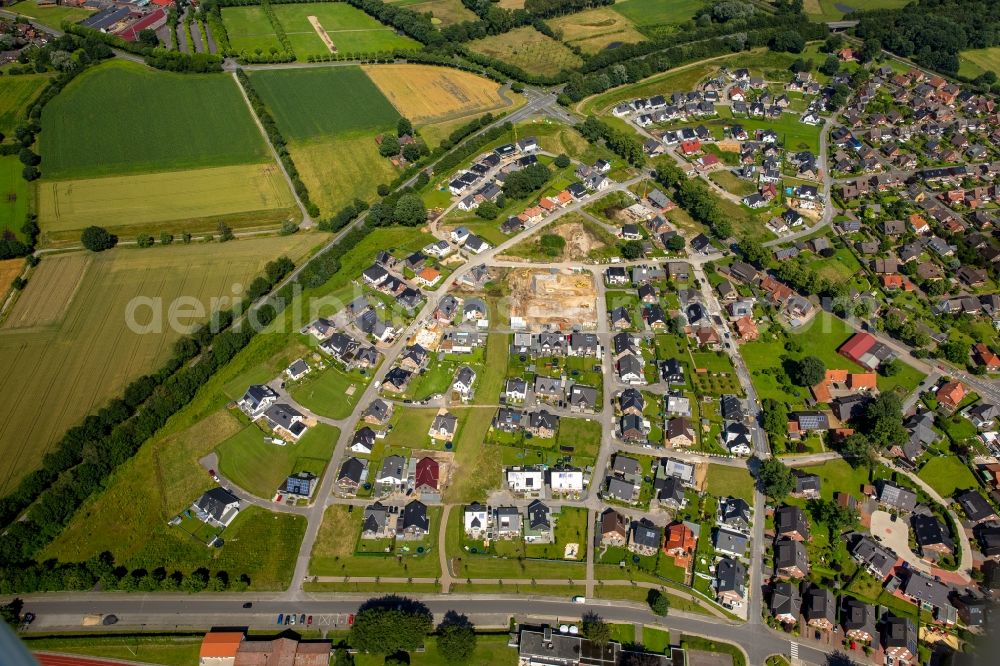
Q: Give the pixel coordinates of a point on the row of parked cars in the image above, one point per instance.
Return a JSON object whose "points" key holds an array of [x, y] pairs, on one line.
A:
{"points": [[289, 618]]}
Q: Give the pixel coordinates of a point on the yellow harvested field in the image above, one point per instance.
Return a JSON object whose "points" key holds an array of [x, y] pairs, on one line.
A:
{"points": [[80, 349], [341, 169], [511, 4], [49, 292], [9, 269], [193, 200], [424, 93], [594, 30]]}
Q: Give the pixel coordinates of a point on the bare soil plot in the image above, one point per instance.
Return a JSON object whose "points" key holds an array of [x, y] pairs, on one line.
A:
{"points": [[424, 93], [564, 298], [9, 269]]}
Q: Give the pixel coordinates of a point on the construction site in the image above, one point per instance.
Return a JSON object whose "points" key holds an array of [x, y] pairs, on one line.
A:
{"points": [[550, 298]]}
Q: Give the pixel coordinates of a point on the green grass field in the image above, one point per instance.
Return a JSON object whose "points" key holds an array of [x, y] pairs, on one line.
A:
{"points": [[658, 12], [66, 344], [331, 392], [974, 62], [946, 474], [51, 16], [723, 481], [834, 10], [446, 12], [330, 116], [350, 30], [255, 464], [165, 650], [528, 49], [174, 121], [14, 193], [16, 95]]}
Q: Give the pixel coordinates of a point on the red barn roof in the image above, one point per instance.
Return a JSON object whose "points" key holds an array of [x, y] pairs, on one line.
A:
{"points": [[428, 473], [856, 347]]}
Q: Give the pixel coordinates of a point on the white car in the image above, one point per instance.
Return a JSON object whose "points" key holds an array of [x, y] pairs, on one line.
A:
{"points": [[579, 600]]}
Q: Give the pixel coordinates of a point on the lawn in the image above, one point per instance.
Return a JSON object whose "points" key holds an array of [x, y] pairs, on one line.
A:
{"points": [[490, 383], [836, 475], [596, 29], [318, 102], [974, 62], [13, 196], [655, 640], [582, 435], [340, 551], [249, 30], [946, 474], [726, 481], [331, 392], [254, 463], [66, 345], [834, 10], [658, 12], [529, 50], [51, 16], [490, 650], [16, 95], [445, 12], [732, 183], [175, 121], [477, 464], [165, 650]]}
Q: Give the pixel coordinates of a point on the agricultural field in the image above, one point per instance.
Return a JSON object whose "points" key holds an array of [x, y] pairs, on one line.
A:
{"points": [[528, 49], [445, 12], [9, 269], [51, 15], [175, 121], [834, 10], [349, 30], [16, 95], [682, 78], [597, 29], [241, 196], [429, 94], [974, 62], [330, 117], [658, 12], [66, 342], [14, 193]]}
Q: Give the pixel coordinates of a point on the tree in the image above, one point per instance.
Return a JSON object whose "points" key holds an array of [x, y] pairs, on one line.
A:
{"points": [[658, 602], [883, 421], [890, 368], [389, 146], [410, 211], [341, 657], [456, 638], [675, 243], [148, 37], [11, 612], [144, 240], [411, 152], [30, 173], [753, 252], [870, 49], [956, 351], [837, 518], [404, 126], [389, 624], [487, 210], [225, 233], [562, 161], [552, 244], [774, 417], [632, 249], [166, 238], [596, 629], [98, 239], [775, 478], [789, 40], [28, 157], [830, 66], [857, 451], [808, 371]]}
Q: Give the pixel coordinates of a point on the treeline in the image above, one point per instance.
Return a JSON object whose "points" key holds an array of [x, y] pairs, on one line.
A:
{"points": [[610, 76], [472, 146], [278, 141], [156, 56], [933, 32], [624, 144], [279, 30], [78, 465], [213, 17], [80, 576], [695, 198], [407, 21]]}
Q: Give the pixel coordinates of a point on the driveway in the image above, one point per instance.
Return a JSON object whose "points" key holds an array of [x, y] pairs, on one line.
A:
{"points": [[896, 535]]}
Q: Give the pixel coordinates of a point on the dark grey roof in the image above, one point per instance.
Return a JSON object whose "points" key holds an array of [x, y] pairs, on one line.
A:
{"points": [[215, 501], [645, 533], [790, 519], [415, 516]]}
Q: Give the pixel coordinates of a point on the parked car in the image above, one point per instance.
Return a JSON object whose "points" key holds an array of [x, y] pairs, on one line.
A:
{"points": [[281, 617], [579, 600], [309, 621], [302, 619]]}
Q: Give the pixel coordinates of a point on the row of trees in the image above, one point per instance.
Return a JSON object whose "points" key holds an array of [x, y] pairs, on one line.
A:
{"points": [[155, 56], [694, 196]]}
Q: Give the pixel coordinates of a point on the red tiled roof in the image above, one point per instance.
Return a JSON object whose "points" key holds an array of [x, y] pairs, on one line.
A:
{"points": [[427, 473]]}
